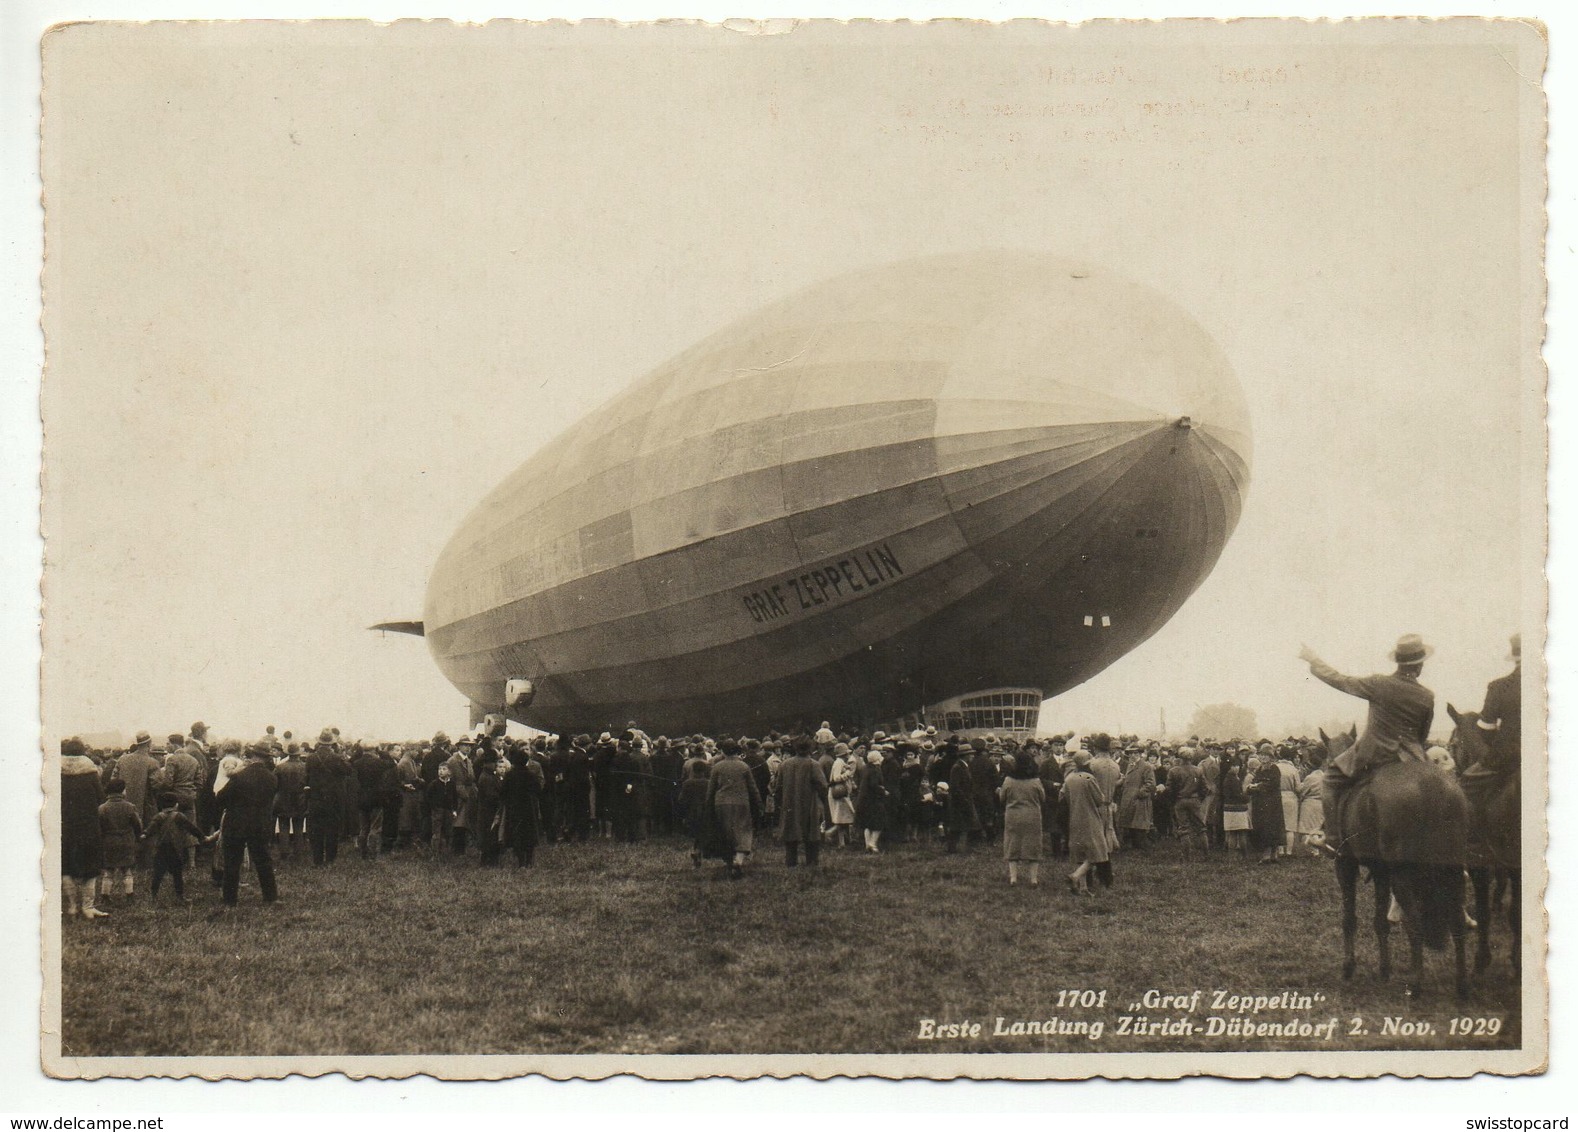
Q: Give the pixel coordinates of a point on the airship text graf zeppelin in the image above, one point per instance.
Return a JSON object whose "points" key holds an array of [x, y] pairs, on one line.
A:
{"points": [[863, 570], [913, 482]]}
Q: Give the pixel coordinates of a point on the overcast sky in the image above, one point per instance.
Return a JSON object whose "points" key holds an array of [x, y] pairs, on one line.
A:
{"points": [[312, 291]]}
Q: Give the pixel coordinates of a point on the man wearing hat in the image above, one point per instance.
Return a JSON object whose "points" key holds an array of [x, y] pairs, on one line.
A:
{"points": [[1401, 711], [136, 769], [329, 779], [1502, 720], [247, 802]]}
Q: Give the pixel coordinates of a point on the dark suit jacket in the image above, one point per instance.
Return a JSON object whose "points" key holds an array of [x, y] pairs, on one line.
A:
{"points": [[248, 801], [1504, 713]]}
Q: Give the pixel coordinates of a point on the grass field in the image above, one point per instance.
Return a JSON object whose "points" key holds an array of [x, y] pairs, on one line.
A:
{"points": [[610, 948]]}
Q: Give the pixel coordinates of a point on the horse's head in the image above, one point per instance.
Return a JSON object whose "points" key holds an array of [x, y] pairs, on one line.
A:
{"points": [[1337, 744], [1467, 744]]}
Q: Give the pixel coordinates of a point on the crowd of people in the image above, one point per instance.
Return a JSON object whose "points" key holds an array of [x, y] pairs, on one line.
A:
{"points": [[159, 808]]}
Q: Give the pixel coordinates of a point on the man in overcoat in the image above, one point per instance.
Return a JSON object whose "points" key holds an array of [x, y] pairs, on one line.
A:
{"points": [[329, 777], [136, 769], [801, 787]]}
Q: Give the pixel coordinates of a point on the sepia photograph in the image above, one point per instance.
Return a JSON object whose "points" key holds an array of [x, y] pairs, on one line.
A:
{"points": [[910, 550]]}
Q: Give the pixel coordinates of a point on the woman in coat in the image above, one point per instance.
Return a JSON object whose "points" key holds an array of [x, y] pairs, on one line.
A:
{"points": [[81, 847], [1265, 809], [840, 790], [1022, 796], [1088, 811], [734, 802], [1135, 817], [872, 801], [1234, 803], [1312, 815]]}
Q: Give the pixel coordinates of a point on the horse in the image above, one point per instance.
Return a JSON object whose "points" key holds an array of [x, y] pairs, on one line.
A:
{"points": [[1407, 823], [1495, 839]]}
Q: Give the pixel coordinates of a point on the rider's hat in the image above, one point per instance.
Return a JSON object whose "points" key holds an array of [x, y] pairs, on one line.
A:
{"points": [[1411, 649], [1517, 647]]}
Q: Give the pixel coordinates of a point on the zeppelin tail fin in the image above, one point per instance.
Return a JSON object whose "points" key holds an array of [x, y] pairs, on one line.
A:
{"points": [[412, 627]]}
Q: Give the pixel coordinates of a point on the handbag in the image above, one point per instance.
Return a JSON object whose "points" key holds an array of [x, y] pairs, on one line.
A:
{"points": [[839, 790]]}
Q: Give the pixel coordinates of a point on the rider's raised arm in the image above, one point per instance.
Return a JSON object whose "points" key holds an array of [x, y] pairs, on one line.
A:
{"points": [[1353, 685]]}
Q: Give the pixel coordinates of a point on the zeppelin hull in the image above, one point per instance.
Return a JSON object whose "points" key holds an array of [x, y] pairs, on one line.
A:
{"points": [[908, 484]]}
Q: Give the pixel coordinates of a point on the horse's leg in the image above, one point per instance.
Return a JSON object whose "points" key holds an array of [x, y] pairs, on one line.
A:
{"points": [[1348, 884], [1515, 920], [1482, 883], [1503, 879], [1382, 877], [1453, 878]]}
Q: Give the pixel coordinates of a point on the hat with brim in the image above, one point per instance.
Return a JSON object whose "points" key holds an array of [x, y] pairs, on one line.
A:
{"points": [[1411, 649]]}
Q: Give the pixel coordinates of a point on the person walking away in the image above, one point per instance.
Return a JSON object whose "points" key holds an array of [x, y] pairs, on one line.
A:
{"points": [[120, 829], [171, 833], [290, 802], [81, 843], [1087, 826], [1398, 727], [801, 785], [734, 802], [1023, 797], [246, 805]]}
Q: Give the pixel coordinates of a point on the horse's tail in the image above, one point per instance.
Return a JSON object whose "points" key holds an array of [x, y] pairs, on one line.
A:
{"points": [[1438, 899]]}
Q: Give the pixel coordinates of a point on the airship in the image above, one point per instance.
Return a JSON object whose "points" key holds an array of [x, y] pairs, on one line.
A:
{"points": [[936, 491]]}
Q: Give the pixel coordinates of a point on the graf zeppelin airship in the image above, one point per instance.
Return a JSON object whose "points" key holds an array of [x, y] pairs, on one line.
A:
{"points": [[941, 489]]}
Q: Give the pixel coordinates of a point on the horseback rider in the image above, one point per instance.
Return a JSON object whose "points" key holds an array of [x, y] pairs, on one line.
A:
{"points": [[1501, 723], [1401, 711]]}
